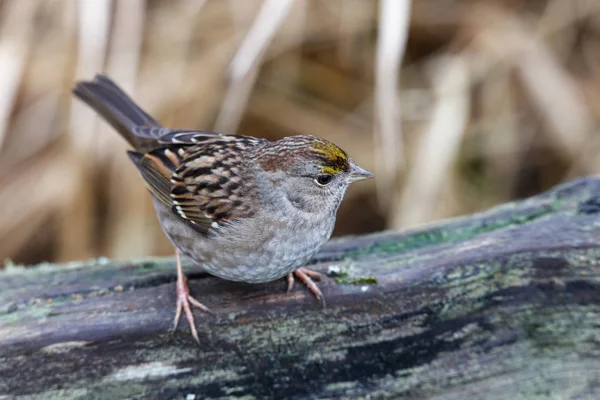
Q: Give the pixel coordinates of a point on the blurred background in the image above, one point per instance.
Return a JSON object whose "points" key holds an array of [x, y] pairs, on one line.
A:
{"points": [[455, 105]]}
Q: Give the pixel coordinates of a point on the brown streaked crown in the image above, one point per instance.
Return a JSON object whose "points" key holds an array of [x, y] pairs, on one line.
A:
{"points": [[285, 151]]}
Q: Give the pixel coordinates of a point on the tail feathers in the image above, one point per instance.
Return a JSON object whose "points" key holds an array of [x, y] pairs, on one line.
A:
{"points": [[111, 102]]}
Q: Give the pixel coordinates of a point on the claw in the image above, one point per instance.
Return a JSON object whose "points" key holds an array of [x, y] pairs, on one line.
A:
{"points": [[305, 276]]}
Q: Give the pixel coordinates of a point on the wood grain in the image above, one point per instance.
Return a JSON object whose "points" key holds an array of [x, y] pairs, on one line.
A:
{"points": [[499, 305]]}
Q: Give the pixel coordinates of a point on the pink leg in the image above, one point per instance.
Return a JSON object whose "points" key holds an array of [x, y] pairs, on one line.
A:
{"points": [[290, 281], [184, 299], [307, 276]]}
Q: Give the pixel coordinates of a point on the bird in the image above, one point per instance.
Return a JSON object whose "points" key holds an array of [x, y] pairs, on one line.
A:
{"points": [[245, 208]]}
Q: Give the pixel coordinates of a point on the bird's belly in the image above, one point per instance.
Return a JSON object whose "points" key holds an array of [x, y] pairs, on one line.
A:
{"points": [[255, 268], [248, 252], [271, 260]]}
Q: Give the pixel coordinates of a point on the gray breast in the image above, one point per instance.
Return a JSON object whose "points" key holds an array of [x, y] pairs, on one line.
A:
{"points": [[248, 251]]}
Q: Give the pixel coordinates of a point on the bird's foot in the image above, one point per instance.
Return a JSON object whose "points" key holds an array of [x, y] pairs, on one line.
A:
{"points": [[307, 276], [185, 301]]}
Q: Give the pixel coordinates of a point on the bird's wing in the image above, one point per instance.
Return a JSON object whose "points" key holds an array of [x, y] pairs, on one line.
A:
{"points": [[199, 175]]}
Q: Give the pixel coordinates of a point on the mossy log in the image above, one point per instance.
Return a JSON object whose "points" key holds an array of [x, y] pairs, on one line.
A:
{"points": [[503, 304]]}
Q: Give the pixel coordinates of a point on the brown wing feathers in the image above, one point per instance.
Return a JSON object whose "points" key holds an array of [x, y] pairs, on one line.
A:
{"points": [[210, 180], [195, 173], [154, 174]]}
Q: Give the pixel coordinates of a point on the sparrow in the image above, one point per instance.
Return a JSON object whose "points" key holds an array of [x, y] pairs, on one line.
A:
{"points": [[247, 209]]}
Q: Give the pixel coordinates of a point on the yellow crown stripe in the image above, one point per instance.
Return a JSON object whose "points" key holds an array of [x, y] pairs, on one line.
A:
{"points": [[332, 169], [337, 161], [330, 150]]}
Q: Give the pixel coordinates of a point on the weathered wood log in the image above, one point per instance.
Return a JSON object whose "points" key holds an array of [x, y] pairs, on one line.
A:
{"points": [[500, 305]]}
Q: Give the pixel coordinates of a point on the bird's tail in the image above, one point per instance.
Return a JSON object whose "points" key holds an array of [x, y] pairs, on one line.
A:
{"points": [[111, 102]]}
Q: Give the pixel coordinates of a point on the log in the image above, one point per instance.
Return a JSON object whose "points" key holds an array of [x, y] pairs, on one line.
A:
{"points": [[504, 304]]}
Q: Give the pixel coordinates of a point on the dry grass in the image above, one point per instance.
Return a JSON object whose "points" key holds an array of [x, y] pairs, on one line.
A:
{"points": [[455, 106]]}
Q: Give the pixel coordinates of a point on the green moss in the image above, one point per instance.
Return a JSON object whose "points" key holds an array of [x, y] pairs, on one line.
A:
{"points": [[345, 279], [344, 275], [455, 231], [13, 315], [146, 265], [8, 263], [341, 386]]}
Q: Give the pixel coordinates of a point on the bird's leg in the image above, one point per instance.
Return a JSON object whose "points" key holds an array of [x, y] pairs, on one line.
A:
{"points": [[290, 281], [184, 300], [307, 276]]}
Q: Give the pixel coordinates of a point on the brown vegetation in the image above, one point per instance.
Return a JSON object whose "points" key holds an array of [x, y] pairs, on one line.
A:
{"points": [[495, 100]]}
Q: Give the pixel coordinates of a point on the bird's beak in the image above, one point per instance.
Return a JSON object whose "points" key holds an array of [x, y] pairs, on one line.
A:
{"points": [[359, 174]]}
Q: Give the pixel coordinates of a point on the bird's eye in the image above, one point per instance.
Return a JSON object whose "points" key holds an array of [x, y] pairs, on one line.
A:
{"points": [[324, 179]]}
